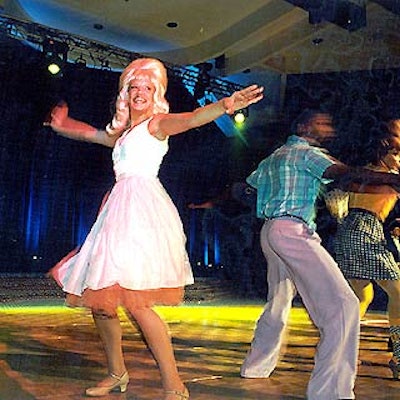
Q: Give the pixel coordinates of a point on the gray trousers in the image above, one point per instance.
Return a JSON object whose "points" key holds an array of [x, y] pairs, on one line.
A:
{"points": [[297, 262]]}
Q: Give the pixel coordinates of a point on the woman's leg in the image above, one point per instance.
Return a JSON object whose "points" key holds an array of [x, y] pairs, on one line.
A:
{"points": [[157, 337], [110, 332], [364, 290], [392, 288]]}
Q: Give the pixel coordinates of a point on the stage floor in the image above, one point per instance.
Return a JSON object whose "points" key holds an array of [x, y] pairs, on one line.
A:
{"points": [[50, 352]]}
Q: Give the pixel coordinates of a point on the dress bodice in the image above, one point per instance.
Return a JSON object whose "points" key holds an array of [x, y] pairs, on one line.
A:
{"points": [[137, 152]]}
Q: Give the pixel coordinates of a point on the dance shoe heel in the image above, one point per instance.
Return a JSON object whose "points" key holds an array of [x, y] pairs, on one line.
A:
{"points": [[121, 383], [177, 393], [395, 368]]}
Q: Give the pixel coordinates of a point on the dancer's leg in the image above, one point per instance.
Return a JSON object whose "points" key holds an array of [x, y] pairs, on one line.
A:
{"points": [[331, 304], [392, 288], [110, 332], [155, 332], [263, 355], [364, 290]]}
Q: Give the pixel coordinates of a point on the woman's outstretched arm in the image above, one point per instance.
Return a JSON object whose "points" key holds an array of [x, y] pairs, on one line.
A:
{"points": [[60, 121], [163, 125]]}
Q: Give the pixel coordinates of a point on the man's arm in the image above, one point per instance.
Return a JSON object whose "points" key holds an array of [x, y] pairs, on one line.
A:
{"points": [[345, 175]]}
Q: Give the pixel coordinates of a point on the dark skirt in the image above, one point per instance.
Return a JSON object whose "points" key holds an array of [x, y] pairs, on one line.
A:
{"points": [[361, 248]]}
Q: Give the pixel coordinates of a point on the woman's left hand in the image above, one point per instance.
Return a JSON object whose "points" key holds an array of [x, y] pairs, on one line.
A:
{"points": [[243, 98]]}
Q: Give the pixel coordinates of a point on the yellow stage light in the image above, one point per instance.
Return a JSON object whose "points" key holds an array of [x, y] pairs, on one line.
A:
{"points": [[239, 117], [54, 68]]}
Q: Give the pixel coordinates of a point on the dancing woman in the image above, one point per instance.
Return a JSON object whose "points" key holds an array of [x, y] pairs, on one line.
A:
{"points": [[361, 249], [134, 255]]}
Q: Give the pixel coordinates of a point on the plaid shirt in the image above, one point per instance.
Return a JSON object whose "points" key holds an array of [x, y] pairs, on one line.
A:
{"points": [[289, 181]]}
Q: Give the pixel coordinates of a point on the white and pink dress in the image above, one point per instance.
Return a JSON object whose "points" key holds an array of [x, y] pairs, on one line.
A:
{"points": [[135, 254]]}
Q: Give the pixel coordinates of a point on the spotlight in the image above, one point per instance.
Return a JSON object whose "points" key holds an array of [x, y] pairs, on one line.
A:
{"points": [[348, 14], [54, 64], [240, 116], [55, 55], [351, 16]]}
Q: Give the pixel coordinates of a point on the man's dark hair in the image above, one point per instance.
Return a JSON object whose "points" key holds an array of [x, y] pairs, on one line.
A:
{"points": [[305, 117]]}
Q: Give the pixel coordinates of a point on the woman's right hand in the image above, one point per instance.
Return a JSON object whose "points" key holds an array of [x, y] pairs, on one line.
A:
{"points": [[59, 120], [57, 116]]}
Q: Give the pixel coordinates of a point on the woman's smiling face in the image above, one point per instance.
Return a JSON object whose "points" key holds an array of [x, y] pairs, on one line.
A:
{"points": [[141, 92]]}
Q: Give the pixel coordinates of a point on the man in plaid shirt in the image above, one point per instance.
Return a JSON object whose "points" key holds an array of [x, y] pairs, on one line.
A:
{"points": [[288, 183]]}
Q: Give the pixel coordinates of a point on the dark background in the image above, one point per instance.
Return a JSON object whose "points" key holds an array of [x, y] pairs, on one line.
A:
{"points": [[51, 187]]}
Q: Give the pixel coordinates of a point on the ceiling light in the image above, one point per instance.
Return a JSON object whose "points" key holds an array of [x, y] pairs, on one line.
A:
{"points": [[54, 64], [172, 24], [240, 116], [56, 54]]}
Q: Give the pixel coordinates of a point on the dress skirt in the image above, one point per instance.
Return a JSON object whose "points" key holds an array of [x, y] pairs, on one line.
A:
{"points": [[361, 248], [134, 255]]}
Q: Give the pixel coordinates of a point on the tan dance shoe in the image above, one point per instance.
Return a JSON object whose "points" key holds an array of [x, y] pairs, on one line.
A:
{"points": [[176, 394], [120, 383]]}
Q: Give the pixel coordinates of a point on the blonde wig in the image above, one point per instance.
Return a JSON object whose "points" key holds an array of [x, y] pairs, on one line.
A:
{"points": [[151, 68], [158, 77]]}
